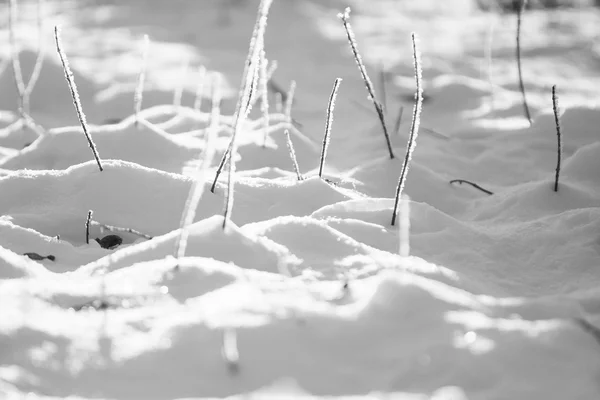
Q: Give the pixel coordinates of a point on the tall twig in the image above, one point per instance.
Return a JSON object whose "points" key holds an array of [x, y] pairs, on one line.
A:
{"points": [[328, 123], [476, 186], [559, 136], [404, 228], [345, 17], [178, 92], [139, 90], [398, 121], [264, 94], [292, 151], [200, 176], [252, 64], [200, 88], [16, 63], [414, 128], [521, 84], [88, 222], [75, 96], [39, 60]]}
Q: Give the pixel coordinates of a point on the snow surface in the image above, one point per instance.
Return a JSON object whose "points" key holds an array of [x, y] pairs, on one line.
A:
{"points": [[499, 297]]}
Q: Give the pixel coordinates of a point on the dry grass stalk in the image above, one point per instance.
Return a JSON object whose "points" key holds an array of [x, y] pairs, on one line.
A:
{"points": [[414, 129], [328, 123], [75, 96], [345, 17]]}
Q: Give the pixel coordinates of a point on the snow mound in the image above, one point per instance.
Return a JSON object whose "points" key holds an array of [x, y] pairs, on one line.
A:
{"points": [[14, 266], [124, 194], [66, 256], [323, 250], [380, 178], [66, 147], [258, 199], [207, 239]]}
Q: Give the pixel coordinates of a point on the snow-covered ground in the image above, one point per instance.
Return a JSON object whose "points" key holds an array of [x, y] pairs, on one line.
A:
{"points": [[309, 291]]}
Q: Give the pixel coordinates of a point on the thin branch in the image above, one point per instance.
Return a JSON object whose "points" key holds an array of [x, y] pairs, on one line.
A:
{"points": [[252, 64], [289, 101], [398, 121], [200, 88], [75, 96], [345, 17], [382, 84], [521, 84], [264, 94], [200, 176], [230, 350], [139, 90], [14, 50], [404, 228], [39, 60], [414, 128], [88, 222], [559, 150], [112, 228], [476, 186], [290, 146], [178, 92], [328, 123]]}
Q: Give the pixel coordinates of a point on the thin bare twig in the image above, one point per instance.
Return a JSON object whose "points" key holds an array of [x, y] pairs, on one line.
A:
{"points": [[414, 128], [521, 84], [476, 186], [328, 123], [139, 90], [75, 96], [559, 136], [345, 17]]}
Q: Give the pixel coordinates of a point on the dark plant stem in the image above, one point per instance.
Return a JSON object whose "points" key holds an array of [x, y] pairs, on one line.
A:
{"points": [[328, 123], [414, 128], [75, 96], [88, 222], [521, 84], [476, 186], [559, 150], [345, 17]]}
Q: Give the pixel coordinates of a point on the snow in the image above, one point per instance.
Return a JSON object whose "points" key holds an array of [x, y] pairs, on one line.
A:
{"points": [[498, 298]]}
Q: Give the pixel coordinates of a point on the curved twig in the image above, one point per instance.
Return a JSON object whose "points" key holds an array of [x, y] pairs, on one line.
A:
{"points": [[476, 186]]}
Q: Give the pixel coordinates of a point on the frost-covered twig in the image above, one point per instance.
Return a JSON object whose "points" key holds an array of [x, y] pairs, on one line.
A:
{"points": [[24, 91], [16, 63], [404, 228], [139, 90], [264, 94], [382, 84], [414, 128], [345, 17], [252, 64], [230, 350], [39, 60], [278, 102], [328, 123], [519, 69], [200, 88], [398, 121], [200, 176], [476, 186], [112, 228], [88, 222], [290, 147], [289, 102], [75, 95], [559, 136], [178, 92]]}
